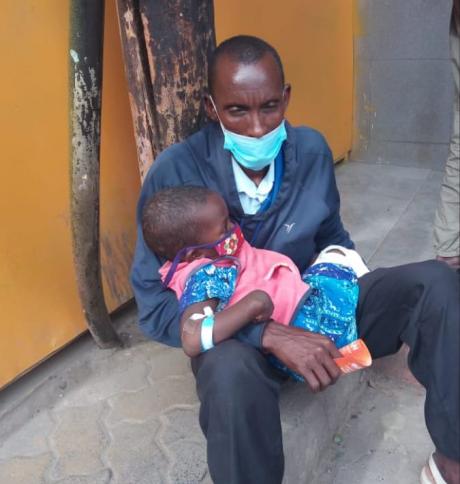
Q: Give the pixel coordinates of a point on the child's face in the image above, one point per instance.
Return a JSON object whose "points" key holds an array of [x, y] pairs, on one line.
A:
{"points": [[213, 220], [214, 223], [217, 233]]}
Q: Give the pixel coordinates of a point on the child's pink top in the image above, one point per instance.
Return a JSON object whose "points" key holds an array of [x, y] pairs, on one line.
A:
{"points": [[262, 269]]}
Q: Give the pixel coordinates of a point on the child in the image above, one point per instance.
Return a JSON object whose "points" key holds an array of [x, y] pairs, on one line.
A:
{"points": [[224, 284]]}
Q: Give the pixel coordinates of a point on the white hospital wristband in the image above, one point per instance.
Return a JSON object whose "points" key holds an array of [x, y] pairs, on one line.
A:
{"points": [[207, 327]]}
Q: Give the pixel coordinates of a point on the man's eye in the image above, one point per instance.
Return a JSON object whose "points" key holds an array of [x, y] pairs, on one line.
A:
{"points": [[236, 111], [270, 106]]}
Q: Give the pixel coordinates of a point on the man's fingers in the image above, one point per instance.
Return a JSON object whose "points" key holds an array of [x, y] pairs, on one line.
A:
{"points": [[324, 343], [327, 362], [330, 347], [321, 370], [322, 376], [312, 381], [332, 369]]}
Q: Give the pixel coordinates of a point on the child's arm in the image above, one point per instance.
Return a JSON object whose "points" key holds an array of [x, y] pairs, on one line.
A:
{"points": [[254, 307]]}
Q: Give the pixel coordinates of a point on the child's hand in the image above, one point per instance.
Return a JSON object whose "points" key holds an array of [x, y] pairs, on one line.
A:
{"points": [[262, 305]]}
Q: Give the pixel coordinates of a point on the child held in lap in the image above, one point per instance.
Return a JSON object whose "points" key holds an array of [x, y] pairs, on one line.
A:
{"points": [[224, 284]]}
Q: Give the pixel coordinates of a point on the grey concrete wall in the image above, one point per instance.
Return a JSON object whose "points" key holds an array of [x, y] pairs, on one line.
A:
{"points": [[403, 83]]}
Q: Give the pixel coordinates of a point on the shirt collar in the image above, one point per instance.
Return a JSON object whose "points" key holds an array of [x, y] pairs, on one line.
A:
{"points": [[245, 185]]}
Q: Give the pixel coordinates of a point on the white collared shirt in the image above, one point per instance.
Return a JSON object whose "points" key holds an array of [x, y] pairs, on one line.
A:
{"points": [[251, 195]]}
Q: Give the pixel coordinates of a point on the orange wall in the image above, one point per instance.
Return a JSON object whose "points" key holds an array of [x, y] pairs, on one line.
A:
{"points": [[40, 309], [315, 41], [120, 182]]}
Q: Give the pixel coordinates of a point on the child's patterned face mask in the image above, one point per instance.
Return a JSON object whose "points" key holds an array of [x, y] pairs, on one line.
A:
{"points": [[228, 245]]}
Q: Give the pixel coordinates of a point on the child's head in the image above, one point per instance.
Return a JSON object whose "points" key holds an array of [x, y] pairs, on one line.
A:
{"points": [[183, 216]]}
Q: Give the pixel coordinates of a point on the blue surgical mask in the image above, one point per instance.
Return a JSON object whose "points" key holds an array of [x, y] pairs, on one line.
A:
{"points": [[254, 153]]}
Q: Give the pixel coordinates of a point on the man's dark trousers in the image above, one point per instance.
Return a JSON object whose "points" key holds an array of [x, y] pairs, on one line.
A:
{"points": [[416, 304]]}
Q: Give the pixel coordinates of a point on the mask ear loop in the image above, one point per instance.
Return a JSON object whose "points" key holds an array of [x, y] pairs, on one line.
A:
{"points": [[217, 113], [214, 106]]}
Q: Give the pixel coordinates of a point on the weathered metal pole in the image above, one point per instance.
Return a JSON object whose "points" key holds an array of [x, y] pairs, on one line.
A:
{"points": [[166, 45], [86, 42]]}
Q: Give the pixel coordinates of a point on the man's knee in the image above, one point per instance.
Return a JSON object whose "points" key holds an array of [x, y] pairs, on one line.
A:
{"points": [[437, 287], [437, 277]]}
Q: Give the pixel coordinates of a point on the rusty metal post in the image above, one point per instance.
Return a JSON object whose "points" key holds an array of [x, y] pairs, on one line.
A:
{"points": [[166, 45], [86, 42]]}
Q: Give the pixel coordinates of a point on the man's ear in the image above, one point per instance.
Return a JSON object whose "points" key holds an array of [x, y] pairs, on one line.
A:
{"points": [[286, 95], [209, 108]]}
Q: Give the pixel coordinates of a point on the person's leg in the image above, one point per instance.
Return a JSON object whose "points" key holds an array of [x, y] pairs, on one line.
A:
{"points": [[239, 414], [447, 217], [418, 304]]}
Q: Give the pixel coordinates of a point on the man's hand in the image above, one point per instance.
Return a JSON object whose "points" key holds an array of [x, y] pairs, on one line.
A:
{"points": [[309, 354]]}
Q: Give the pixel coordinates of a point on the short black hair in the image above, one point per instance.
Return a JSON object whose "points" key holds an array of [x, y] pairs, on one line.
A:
{"points": [[245, 49], [169, 219]]}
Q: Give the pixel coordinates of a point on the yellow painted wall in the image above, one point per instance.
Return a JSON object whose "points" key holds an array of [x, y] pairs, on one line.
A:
{"points": [[315, 41], [39, 306]]}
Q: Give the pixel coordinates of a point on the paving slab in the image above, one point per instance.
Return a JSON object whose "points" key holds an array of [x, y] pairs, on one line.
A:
{"points": [[124, 371], [134, 455], [30, 440], [143, 405], [25, 470], [78, 441], [181, 424], [171, 362]]}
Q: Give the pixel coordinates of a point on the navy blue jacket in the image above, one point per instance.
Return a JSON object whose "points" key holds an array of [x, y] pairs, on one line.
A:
{"points": [[302, 220]]}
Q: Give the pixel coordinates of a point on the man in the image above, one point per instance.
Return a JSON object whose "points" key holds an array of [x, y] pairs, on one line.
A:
{"points": [[279, 184]]}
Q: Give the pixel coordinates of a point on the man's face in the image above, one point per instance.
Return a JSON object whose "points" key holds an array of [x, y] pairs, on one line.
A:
{"points": [[250, 98]]}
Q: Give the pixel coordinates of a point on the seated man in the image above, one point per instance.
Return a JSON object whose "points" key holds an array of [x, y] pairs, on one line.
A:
{"points": [[278, 182]]}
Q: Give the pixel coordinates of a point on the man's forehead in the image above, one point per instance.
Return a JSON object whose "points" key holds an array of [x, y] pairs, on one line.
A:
{"points": [[255, 73], [236, 75]]}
